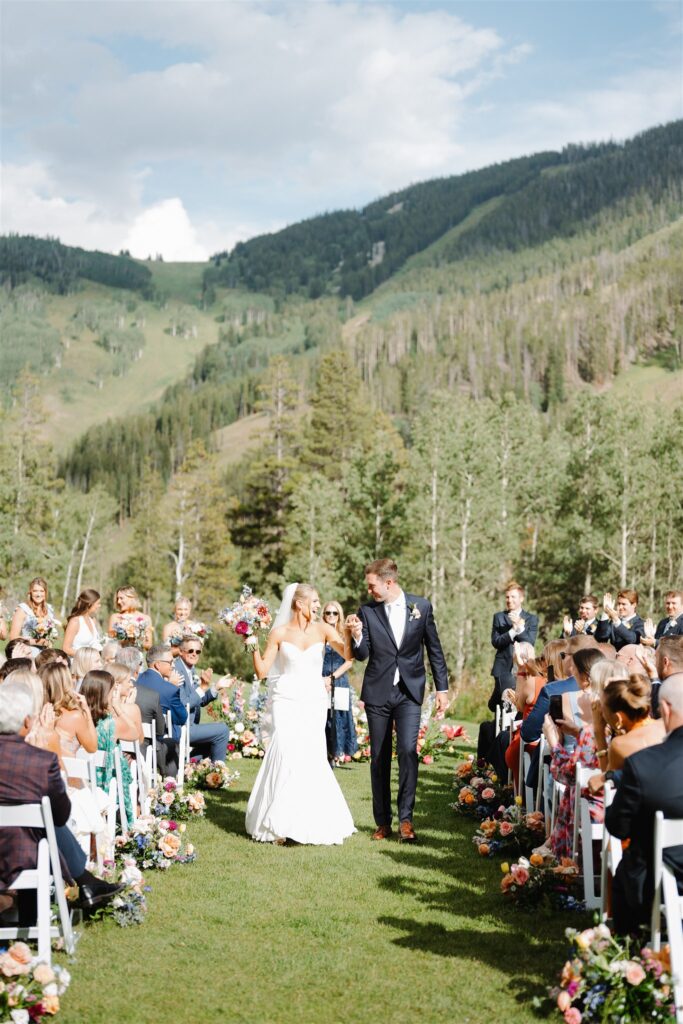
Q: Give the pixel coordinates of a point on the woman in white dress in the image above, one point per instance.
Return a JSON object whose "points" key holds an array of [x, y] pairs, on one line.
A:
{"points": [[296, 795], [82, 628]]}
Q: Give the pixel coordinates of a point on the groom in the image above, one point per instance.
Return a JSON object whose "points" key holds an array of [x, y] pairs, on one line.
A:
{"points": [[392, 631]]}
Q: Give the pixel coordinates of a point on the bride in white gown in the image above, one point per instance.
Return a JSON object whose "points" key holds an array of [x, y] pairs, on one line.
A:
{"points": [[296, 795]]}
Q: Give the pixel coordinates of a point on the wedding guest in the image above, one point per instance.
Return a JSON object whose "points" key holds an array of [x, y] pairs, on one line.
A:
{"points": [[625, 707], [149, 703], [336, 669], [86, 659], [32, 615], [515, 623], [649, 783], [19, 648], [136, 625], [113, 722], [110, 651], [49, 655], [532, 676], [82, 628], [127, 693], [211, 738], [671, 624], [73, 722], [162, 677], [13, 665], [620, 624], [174, 631], [586, 620], [628, 657], [577, 724], [42, 733]]}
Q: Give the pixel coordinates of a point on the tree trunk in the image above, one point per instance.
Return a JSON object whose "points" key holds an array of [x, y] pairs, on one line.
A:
{"points": [[84, 552], [67, 581]]}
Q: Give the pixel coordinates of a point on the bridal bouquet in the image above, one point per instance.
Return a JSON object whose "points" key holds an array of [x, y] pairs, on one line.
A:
{"points": [[29, 988], [46, 628], [243, 722], [130, 629], [247, 617]]}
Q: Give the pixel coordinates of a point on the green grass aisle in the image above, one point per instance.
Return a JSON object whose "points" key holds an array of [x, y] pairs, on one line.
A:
{"points": [[367, 931]]}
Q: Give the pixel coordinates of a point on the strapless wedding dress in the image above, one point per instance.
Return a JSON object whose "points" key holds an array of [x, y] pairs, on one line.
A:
{"points": [[296, 795]]}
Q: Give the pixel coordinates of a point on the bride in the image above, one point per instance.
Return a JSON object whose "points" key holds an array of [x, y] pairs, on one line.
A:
{"points": [[296, 795]]}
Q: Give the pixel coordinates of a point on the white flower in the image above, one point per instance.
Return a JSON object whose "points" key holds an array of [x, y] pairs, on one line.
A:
{"points": [[415, 612], [20, 1016], [239, 726]]}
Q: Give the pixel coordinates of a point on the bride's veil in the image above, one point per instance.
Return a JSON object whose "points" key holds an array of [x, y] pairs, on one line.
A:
{"points": [[283, 616]]}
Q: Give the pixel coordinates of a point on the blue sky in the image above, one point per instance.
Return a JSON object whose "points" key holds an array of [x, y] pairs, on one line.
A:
{"points": [[183, 127]]}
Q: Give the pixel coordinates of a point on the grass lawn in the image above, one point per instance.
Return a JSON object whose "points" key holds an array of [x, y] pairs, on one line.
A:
{"points": [[340, 935]]}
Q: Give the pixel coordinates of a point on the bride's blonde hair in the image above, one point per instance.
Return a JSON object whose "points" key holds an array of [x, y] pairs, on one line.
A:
{"points": [[303, 592]]}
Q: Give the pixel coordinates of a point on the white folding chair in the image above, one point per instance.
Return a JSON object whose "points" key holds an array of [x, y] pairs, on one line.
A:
{"points": [[543, 772], [524, 765], [611, 855], [183, 747], [46, 874], [83, 769], [149, 730], [668, 833], [588, 831], [140, 787]]}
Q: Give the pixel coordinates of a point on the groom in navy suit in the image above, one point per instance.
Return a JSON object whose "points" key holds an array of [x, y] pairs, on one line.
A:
{"points": [[392, 633]]}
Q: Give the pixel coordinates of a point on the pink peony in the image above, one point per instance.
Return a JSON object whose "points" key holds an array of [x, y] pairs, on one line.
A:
{"points": [[634, 973], [573, 1016], [428, 759], [488, 793], [564, 1001], [520, 874], [506, 828], [167, 799], [242, 628]]}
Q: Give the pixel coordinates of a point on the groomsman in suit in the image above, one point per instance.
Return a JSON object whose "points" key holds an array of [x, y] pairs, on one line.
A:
{"points": [[620, 624], [149, 702], [650, 782], [672, 624], [586, 622], [514, 624], [196, 691]]}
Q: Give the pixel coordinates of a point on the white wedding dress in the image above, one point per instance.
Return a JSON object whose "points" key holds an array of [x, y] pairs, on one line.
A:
{"points": [[296, 795]]}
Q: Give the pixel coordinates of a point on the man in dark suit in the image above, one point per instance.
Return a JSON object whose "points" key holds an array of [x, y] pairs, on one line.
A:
{"points": [[672, 624], [513, 624], [586, 622], [620, 623], [149, 702], [162, 677], [196, 691], [27, 774], [651, 780], [392, 633]]}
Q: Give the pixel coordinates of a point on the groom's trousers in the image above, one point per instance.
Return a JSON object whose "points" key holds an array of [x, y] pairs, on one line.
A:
{"points": [[402, 710]]}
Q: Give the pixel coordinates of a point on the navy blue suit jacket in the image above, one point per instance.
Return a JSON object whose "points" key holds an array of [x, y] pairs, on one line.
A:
{"points": [[662, 630], [500, 638], [378, 647], [169, 696], [189, 693], [619, 636]]}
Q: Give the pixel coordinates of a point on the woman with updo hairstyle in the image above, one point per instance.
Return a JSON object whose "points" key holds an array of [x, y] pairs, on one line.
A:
{"points": [[626, 707], [82, 628], [128, 624], [31, 613]]}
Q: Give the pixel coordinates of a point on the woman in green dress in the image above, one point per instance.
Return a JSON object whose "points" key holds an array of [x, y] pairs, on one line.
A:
{"points": [[113, 722]]}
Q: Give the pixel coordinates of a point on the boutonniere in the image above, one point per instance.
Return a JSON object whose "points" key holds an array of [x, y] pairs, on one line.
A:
{"points": [[415, 612]]}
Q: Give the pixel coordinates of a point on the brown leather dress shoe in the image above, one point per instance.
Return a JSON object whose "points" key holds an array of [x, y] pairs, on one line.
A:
{"points": [[406, 832], [382, 832]]}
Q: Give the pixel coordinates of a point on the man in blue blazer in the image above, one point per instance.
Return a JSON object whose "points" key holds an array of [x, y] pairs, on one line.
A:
{"points": [[196, 691], [672, 625], [162, 677], [513, 624], [392, 633]]}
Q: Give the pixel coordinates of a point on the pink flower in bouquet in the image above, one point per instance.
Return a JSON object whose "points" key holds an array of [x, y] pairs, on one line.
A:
{"points": [[169, 845], [428, 759], [248, 737], [520, 874], [506, 828], [43, 974], [488, 793], [213, 780], [573, 1016], [16, 960], [167, 799], [634, 973], [564, 1001], [242, 628], [172, 826], [169, 785]]}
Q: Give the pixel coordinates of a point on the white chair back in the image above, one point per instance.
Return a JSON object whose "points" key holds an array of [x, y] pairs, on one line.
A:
{"points": [[183, 745], [524, 766], [611, 855], [46, 874], [668, 833], [587, 831], [149, 730]]}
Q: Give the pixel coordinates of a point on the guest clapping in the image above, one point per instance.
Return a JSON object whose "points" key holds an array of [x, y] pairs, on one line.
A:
{"points": [[586, 620], [514, 624], [620, 623]]}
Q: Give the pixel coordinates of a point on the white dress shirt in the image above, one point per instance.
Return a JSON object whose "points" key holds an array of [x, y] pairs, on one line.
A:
{"points": [[396, 614]]}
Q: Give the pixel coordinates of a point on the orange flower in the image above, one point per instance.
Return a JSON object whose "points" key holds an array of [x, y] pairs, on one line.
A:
{"points": [[536, 860], [484, 849], [50, 1004], [169, 845], [213, 780], [489, 827]]}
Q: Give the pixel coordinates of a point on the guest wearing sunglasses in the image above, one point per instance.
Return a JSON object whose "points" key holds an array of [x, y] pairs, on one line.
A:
{"points": [[336, 669], [196, 691]]}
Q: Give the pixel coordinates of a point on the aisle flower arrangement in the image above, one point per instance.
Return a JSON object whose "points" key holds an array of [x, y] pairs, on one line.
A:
{"points": [[479, 791], [154, 843], [128, 907], [541, 883], [207, 774], [247, 617], [244, 722], [609, 979], [168, 801], [510, 829], [29, 988]]}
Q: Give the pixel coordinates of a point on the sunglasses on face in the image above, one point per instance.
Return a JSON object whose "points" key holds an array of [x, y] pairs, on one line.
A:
{"points": [[193, 650], [336, 614]]}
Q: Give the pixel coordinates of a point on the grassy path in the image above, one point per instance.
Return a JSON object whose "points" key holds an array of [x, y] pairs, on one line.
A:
{"points": [[341, 935]]}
